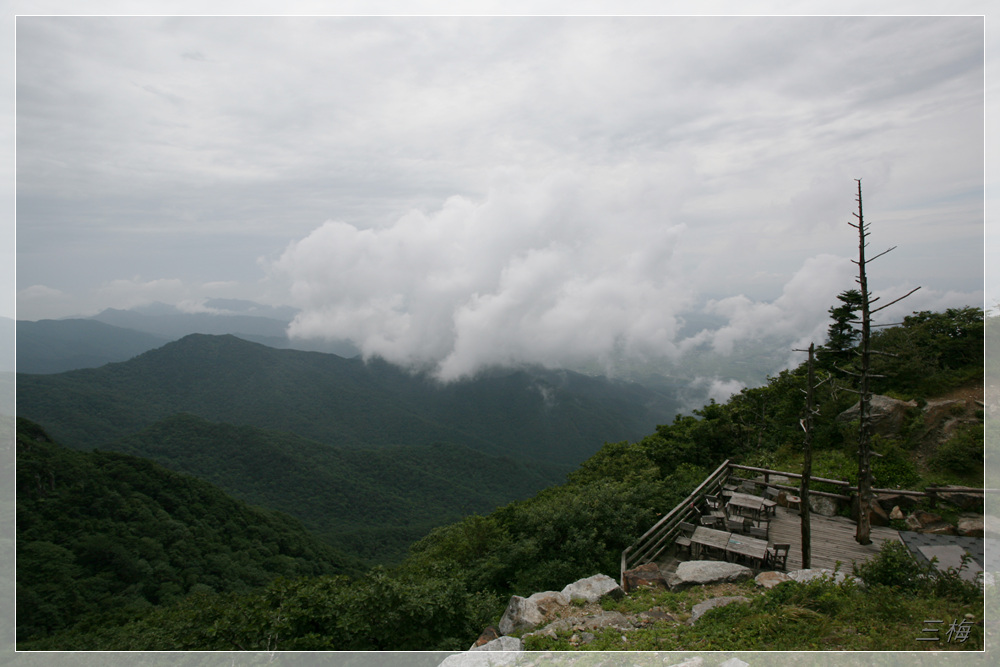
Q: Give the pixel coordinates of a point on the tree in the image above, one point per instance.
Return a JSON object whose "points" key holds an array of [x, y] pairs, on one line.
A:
{"points": [[842, 335], [865, 495]]}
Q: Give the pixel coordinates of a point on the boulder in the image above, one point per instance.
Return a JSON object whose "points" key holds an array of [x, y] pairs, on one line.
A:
{"points": [[802, 576], [823, 506], [928, 522], [699, 609], [896, 514], [878, 516], [702, 572], [648, 575], [501, 644], [488, 635], [528, 613], [971, 526], [941, 528], [770, 579], [963, 500], [904, 502], [594, 588], [887, 414], [549, 602], [500, 651], [925, 518]]}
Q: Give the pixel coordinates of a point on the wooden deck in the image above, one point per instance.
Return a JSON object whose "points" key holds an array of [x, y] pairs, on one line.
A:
{"points": [[832, 541]]}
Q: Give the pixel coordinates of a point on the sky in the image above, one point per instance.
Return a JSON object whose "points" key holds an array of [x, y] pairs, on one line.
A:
{"points": [[455, 192]]}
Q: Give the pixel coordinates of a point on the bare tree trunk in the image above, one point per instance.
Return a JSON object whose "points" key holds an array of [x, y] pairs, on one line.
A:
{"points": [[863, 535], [807, 463]]}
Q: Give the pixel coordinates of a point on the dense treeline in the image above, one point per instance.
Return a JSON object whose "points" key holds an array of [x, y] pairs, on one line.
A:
{"points": [[103, 536], [553, 417], [458, 578], [371, 503]]}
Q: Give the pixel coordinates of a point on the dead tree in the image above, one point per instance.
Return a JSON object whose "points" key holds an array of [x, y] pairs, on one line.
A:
{"points": [[865, 495], [807, 426]]}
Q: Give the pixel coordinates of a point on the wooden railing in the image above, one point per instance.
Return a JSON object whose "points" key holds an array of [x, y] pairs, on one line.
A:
{"points": [[661, 536], [930, 492], [658, 538]]}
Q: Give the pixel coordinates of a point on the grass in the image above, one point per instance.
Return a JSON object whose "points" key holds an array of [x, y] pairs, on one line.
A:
{"points": [[819, 615]]}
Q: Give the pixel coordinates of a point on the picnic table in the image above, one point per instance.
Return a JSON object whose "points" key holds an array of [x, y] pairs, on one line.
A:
{"points": [[750, 547], [746, 502], [709, 537]]}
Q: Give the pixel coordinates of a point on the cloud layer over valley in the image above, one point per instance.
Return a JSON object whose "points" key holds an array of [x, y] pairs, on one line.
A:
{"points": [[456, 193]]}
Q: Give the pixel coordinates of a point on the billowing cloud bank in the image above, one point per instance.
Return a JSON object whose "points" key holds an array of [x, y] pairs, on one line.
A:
{"points": [[562, 271], [557, 272]]}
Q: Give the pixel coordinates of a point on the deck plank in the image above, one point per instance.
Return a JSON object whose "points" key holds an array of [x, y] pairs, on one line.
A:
{"points": [[832, 539]]}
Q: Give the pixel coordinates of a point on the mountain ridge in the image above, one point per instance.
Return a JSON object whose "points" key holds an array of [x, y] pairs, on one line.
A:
{"points": [[558, 417]]}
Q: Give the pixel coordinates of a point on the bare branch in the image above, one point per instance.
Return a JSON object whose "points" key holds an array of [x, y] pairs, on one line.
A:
{"points": [[896, 301], [870, 259]]}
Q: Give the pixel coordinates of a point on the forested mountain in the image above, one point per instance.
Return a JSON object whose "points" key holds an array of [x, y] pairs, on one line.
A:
{"points": [[459, 577], [104, 536], [372, 503], [554, 417], [248, 320], [54, 346]]}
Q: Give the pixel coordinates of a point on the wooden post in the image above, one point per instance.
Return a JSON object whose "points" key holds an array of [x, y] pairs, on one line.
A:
{"points": [[805, 508]]}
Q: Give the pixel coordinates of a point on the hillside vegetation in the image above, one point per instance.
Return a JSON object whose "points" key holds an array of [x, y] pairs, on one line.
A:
{"points": [[372, 503], [369, 456], [103, 537], [553, 417], [458, 579]]}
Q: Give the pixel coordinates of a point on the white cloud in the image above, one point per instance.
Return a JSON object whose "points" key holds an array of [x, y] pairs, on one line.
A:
{"points": [[546, 190], [132, 292], [553, 270], [799, 315], [39, 302], [717, 389]]}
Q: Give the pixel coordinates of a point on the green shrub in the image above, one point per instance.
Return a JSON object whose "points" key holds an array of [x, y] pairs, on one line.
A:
{"points": [[893, 469], [894, 566], [963, 452]]}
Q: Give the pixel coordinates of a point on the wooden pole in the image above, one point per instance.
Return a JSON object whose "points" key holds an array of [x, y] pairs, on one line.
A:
{"points": [[807, 461]]}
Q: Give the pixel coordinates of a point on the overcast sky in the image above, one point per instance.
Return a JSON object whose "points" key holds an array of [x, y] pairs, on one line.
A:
{"points": [[455, 192]]}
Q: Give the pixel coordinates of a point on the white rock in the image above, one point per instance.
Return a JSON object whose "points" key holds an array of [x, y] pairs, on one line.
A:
{"points": [[591, 589], [481, 658], [701, 572], [528, 613], [802, 576], [501, 644]]}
